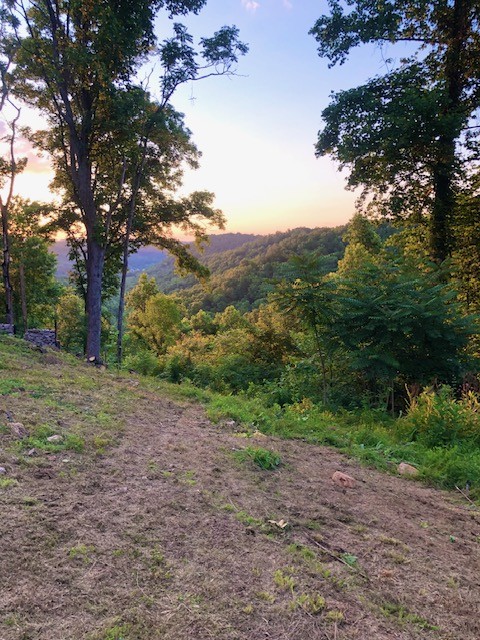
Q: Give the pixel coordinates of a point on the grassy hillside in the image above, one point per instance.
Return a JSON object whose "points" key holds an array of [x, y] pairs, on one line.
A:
{"points": [[125, 514]]}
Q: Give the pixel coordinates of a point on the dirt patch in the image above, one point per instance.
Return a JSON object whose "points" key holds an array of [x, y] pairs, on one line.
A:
{"points": [[167, 536]]}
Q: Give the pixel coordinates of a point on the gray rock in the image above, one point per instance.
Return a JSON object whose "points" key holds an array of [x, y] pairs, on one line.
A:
{"points": [[55, 438]]}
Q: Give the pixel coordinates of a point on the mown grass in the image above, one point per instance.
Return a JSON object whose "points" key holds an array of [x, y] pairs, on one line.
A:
{"points": [[56, 394], [371, 436]]}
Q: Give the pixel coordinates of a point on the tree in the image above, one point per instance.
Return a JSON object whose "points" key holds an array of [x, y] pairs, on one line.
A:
{"points": [[10, 165], [308, 295], [71, 324], [35, 290], [400, 326], [75, 64], [154, 319], [405, 136]]}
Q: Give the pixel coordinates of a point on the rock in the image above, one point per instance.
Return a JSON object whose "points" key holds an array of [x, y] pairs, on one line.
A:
{"points": [[405, 469], [55, 438], [3, 471], [342, 480], [32, 452], [18, 430]]}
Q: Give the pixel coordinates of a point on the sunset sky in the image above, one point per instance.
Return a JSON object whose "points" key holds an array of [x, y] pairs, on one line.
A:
{"points": [[257, 130]]}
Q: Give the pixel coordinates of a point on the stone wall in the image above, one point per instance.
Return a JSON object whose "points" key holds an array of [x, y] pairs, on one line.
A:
{"points": [[41, 337], [6, 328]]}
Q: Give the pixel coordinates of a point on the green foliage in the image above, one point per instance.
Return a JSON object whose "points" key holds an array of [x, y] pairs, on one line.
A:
{"points": [[32, 266], [393, 322], [153, 318], [71, 322], [145, 362], [405, 136], [438, 419], [262, 458]]}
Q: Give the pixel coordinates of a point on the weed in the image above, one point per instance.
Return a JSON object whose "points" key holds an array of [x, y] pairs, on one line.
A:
{"points": [[188, 478], [304, 552], [312, 604], [118, 632], [397, 558], [7, 482], [453, 582], [335, 616], [262, 458], [100, 443], [350, 559], [29, 501], [250, 521], [402, 615], [265, 596], [283, 580], [81, 552], [393, 542]]}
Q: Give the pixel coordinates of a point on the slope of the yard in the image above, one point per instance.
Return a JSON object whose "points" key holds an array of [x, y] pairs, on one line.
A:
{"points": [[140, 523]]}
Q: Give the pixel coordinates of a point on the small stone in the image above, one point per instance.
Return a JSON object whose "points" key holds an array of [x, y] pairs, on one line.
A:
{"points": [[342, 480], [55, 438], [18, 430], [405, 469], [32, 452], [3, 471]]}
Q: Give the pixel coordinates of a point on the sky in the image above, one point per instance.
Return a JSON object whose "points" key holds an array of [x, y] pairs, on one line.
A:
{"points": [[257, 130]]}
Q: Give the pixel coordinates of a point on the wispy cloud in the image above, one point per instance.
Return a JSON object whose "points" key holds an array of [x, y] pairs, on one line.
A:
{"points": [[250, 5]]}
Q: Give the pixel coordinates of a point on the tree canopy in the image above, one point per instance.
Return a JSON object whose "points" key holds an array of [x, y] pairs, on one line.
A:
{"points": [[77, 62], [407, 137]]}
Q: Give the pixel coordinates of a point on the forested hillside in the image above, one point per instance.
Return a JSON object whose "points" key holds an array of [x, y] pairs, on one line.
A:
{"points": [[244, 275]]}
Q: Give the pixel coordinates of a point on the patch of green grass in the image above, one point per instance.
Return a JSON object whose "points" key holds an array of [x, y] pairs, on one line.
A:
{"points": [[11, 385], [284, 579], [312, 604], [7, 482], [403, 616], [38, 439], [81, 552], [301, 551], [248, 520], [371, 436], [262, 458]]}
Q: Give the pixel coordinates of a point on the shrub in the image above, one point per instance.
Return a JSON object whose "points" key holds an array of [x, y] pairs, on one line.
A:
{"points": [[436, 419]]}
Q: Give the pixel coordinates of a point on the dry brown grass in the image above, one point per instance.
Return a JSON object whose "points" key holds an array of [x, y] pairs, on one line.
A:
{"points": [[155, 531]]}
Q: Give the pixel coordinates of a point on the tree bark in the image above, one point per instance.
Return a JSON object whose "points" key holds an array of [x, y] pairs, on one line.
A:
{"points": [[23, 296], [9, 318], [445, 170], [95, 264]]}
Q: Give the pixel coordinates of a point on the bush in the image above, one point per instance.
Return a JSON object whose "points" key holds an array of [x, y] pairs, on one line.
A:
{"points": [[437, 419], [145, 362]]}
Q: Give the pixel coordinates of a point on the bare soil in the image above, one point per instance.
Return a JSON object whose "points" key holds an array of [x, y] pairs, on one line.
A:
{"points": [[166, 536]]}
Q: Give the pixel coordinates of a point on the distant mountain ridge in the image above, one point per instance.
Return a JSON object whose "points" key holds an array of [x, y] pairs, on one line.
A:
{"points": [[148, 256]]}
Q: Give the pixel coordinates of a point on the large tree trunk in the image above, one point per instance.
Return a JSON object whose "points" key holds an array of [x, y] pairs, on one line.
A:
{"points": [[121, 302], [23, 296], [6, 268], [95, 264], [454, 115]]}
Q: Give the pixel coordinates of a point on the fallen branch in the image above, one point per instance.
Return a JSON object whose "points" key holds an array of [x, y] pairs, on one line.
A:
{"points": [[337, 557], [465, 496]]}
